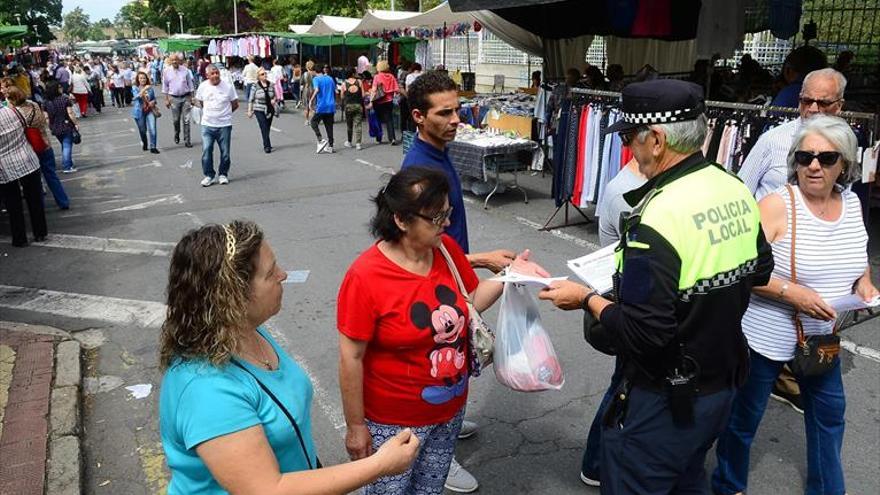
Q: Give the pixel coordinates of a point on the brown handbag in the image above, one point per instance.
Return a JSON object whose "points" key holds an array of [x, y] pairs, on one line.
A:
{"points": [[814, 355]]}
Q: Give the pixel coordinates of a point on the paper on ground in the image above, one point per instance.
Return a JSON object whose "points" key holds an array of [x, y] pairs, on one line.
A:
{"points": [[596, 269], [519, 278], [140, 390], [853, 302]]}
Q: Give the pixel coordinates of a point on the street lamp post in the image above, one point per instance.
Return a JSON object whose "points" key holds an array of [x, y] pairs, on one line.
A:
{"points": [[235, 14], [18, 19], [168, 27], [181, 21]]}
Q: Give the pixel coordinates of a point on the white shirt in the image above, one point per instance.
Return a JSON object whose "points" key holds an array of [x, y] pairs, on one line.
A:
{"points": [[250, 73], [216, 103], [411, 78], [363, 64], [766, 167], [80, 83], [275, 74]]}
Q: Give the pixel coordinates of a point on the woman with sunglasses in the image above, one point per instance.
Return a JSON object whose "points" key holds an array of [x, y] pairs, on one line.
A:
{"points": [[234, 410], [261, 103], [404, 337], [830, 248]]}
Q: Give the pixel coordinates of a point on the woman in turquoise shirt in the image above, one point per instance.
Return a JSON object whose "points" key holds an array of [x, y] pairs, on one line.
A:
{"points": [[234, 407]]}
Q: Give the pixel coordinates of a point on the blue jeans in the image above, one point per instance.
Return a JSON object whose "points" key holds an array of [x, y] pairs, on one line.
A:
{"points": [[47, 166], [824, 407], [248, 87], [222, 135], [147, 123], [66, 141]]}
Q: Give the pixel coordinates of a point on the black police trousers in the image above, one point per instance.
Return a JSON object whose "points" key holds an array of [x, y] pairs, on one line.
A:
{"points": [[642, 451]]}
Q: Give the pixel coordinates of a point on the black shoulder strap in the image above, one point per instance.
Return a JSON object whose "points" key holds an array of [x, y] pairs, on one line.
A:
{"points": [[283, 409]]}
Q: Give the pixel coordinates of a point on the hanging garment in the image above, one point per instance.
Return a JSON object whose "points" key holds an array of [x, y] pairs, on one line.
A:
{"points": [[582, 139], [571, 145], [559, 142]]}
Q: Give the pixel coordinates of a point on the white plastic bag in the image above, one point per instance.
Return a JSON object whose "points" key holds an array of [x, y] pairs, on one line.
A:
{"points": [[524, 356], [195, 115]]}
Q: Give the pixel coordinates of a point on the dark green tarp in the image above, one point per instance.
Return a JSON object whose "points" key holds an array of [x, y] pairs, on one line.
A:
{"points": [[173, 45], [12, 32]]}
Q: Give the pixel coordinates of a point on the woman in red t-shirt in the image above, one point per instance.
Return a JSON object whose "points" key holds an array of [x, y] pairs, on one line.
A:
{"points": [[403, 345], [384, 106]]}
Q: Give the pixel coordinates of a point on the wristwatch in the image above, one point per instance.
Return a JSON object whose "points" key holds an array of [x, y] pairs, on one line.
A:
{"points": [[586, 304]]}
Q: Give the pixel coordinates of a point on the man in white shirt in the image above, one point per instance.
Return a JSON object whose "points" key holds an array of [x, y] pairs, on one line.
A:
{"points": [[127, 77], [218, 100], [764, 169], [249, 73]]}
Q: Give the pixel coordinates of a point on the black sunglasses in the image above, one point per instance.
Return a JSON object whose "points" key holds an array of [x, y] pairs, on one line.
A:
{"points": [[439, 218], [808, 102], [826, 158]]}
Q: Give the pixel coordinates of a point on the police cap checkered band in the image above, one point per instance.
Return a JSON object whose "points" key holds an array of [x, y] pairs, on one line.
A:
{"points": [[659, 101]]}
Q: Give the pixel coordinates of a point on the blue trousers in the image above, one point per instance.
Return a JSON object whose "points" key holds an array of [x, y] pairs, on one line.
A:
{"points": [[650, 455], [147, 124], [824, 408], [590, 463], [47, 166], [222, 136], [66, 141]]}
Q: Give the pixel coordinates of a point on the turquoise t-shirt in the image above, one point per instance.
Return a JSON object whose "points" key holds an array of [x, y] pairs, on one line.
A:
{"points": [[199, 401]]}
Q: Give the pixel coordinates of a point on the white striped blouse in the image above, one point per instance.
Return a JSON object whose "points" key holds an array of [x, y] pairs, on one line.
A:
{"points": [[830, 256]]}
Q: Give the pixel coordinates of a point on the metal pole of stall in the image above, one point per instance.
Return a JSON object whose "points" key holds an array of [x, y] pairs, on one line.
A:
{"points": [[468, 41], [444, 47]]}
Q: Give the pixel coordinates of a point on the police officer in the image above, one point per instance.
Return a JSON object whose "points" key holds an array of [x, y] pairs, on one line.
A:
{"points": [[690, 252]]}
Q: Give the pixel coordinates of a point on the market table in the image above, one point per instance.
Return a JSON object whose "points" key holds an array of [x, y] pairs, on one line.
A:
{"points": [[482, 156]]}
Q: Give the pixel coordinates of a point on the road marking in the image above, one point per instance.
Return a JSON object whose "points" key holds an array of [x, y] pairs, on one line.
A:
{"points": [[333, 413], [175, 199], [562, 235], [104, 244], [110, 171], [275, 129], [859, 350], [195, 219], [83, 306], [380, 168]]}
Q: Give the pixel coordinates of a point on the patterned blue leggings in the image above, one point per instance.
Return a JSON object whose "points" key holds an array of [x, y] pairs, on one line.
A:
{"points": [[428, 473]]}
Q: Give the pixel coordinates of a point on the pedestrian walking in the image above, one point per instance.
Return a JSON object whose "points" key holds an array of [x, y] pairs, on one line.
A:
{"points": [[820, 248], [79, 86], [308, 75], [218, 100], [127, 80], [324, 101], [20, 172], [62, 123], [62, 75], [384, 89], [234, 407], [117, 87], [249, 73], [33, 118], [352, 95], [145, 111], [178, 87], [260, 105], [683, 282], [96, 88]]}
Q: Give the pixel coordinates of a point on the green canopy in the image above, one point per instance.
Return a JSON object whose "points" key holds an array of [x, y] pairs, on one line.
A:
{"points": [[12, 32], [175, 45], [333, 40]]}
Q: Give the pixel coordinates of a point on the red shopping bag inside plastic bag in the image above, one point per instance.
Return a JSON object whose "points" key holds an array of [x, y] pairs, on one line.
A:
{"points": [[524, 356]]}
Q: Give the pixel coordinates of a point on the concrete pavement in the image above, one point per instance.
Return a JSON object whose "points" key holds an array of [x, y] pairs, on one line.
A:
{"points": [[102, 277]]}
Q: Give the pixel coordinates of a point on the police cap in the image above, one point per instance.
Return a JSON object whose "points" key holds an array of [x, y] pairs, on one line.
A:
{"points": [[660, 101]]}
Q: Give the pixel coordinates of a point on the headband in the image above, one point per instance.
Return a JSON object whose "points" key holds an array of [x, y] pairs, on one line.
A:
{"points": [[230, 243]]}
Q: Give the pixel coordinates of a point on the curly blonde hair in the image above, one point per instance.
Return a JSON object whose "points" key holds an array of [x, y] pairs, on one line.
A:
{"points": [[208, 292]]}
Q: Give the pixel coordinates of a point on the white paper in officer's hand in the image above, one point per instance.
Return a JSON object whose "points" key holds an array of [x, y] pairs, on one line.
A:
{"points": [[596, 269], [853, 302], [519, 278]]}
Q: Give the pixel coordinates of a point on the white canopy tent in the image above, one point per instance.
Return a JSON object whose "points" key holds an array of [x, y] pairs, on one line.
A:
{"points": [[331, 24], [387, 20], [299, 28]]}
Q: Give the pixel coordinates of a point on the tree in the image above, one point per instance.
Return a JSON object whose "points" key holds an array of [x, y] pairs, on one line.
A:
{"points": [[38, 14], [104, 23], [132, 17], [76, 25]]}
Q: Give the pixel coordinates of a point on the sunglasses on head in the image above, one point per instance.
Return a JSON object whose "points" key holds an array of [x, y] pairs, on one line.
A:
{"points": [[439, 218], [826, 158]]}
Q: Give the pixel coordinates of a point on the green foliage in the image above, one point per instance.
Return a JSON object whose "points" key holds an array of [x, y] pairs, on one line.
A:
{"points": [[104, 23], [76, 25], [38, 14]]}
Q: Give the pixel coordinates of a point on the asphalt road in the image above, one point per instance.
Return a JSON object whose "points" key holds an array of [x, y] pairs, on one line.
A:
{"points": [[103, 274]]}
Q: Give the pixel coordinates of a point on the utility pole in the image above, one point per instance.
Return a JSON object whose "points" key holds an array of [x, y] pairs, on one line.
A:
{"points": [[235, 14], [181, 21], [168, 28]]}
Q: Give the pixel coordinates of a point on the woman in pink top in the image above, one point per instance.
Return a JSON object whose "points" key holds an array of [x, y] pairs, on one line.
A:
{"points": [[384, 105]]}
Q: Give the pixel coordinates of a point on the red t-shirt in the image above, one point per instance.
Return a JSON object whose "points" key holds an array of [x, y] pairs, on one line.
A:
{"points": [[389, 84], [416, 364]]}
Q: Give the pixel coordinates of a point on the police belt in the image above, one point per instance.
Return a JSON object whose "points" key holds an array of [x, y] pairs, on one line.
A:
{"points": [[639, 377]]}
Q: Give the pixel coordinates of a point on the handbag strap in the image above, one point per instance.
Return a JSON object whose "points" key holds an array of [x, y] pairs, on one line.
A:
{"points": [[20, 117], [283, 409], [798, 324], [454, 270]]}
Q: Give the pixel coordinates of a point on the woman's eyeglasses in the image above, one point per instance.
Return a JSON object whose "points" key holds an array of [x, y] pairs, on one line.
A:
{"points": [[826, 158], [439, 218]]}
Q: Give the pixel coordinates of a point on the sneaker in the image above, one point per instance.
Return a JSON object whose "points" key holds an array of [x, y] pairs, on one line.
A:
{"points": [[207, 181], [347, 144], [459, 480], [223, 180], [154, 151], [794, 400], [468, 428], [589, 481], [69, 170], [329, 149], [358, 147], [321, 145]]}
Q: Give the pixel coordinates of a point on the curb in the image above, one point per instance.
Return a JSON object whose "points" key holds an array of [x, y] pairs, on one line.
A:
{"points": [[63, 469]]}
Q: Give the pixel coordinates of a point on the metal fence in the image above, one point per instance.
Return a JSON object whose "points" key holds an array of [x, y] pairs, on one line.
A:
{"points": [[844, 25]]}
